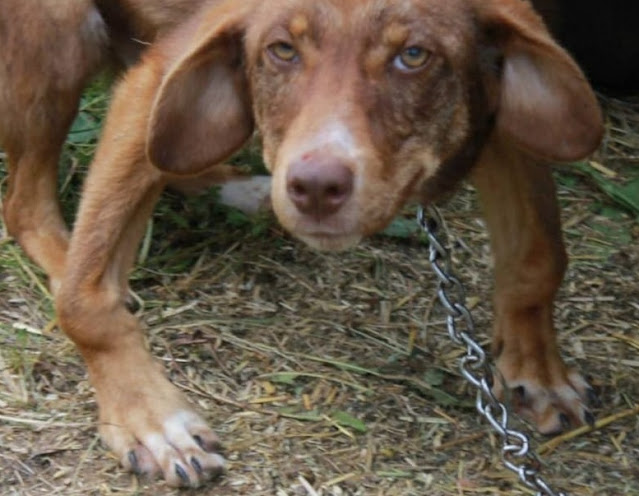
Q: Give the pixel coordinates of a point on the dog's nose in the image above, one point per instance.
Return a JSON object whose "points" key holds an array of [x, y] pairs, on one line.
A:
{"points": [[319, 187]]}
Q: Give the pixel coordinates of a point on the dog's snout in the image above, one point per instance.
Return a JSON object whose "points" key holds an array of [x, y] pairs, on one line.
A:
{"points": [[319, 187]]}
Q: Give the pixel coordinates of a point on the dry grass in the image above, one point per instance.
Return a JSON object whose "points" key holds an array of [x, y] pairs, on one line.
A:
{"points": [[330, 375]]}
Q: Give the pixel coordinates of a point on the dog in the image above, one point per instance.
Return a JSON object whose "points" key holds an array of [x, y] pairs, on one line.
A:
{"points": [[362, 106]]}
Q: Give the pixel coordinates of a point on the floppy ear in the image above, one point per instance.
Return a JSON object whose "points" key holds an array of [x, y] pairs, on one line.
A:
{"points": [[546, 105], [202, 111]]}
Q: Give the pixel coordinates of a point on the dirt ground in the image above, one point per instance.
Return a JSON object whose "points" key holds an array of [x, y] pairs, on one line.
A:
{"points": [[333, 374]]}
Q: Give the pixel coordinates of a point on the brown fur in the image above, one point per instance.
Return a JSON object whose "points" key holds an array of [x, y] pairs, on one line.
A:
{"points": [[350, 134]]}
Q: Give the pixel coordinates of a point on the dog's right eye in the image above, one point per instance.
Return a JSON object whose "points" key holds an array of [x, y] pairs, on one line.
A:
{"points": [[412, 58], [283, 51]]}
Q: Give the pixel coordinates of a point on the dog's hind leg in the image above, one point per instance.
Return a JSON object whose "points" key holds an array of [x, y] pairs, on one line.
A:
{"points": [[49, 54], [517, 196]]}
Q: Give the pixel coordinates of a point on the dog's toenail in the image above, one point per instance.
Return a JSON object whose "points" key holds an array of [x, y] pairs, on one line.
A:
{"points": [[217, 447], [490, 377], [132, 305], [564, 421], [432, 224], [182, 474], [210, 447], [195, 463], [593, 398], [217, 472], [519, 393], [589, 418], [199, 441], [133, 461]]}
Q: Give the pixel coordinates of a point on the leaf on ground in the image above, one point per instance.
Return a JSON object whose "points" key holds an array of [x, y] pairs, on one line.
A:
{"points": [[626, 194], [347, 420], [284, 378], [434, 377], [616, 234], [443, 398]]}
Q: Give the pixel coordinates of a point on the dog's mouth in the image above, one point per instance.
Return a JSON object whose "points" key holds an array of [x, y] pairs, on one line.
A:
{"points": [[339, 232], [329, 241]]}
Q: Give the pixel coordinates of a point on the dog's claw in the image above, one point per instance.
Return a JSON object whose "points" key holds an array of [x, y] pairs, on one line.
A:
{"points": [[593, 398], [199, 441], [133, 461], [519, 394], [589, 418], [195, 463], [490, 377], [564, 422], [210, 446], [217, 472], [181, 473], [131, 304]]}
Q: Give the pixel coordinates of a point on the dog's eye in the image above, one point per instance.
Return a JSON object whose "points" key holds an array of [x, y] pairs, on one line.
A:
{"points": [[283, 51], [412, 58]]}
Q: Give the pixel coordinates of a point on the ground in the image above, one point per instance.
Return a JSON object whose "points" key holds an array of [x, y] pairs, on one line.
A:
{"points": [[333, 374]]}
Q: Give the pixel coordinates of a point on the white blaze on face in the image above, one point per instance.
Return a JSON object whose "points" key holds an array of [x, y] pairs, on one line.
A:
{"points": [[333, 138], [336, 137]]}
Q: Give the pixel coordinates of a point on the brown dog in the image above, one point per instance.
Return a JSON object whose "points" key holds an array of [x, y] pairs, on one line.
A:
{"points": [[361, 105]]}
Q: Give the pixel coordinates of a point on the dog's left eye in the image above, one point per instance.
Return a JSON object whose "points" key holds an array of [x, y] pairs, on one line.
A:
{"points": [[283, 51], [412, 58]]}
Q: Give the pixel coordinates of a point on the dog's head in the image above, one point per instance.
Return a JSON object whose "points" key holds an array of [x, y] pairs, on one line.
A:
{"points": [[362, 104]]}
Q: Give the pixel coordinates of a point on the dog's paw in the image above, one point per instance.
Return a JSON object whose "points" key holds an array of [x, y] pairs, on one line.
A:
{"points": [[153, 432], [184, 450], [545, 392]]}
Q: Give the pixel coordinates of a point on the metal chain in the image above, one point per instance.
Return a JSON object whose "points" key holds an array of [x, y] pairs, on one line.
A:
{"points": [[516, 453]]}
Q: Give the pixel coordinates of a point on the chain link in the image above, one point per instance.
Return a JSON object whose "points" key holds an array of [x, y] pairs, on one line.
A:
{"points": [[515, 450]]}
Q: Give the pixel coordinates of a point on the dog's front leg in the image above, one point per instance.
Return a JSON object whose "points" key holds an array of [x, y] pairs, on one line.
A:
{"points": [[517, 195], [143, 418]]}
